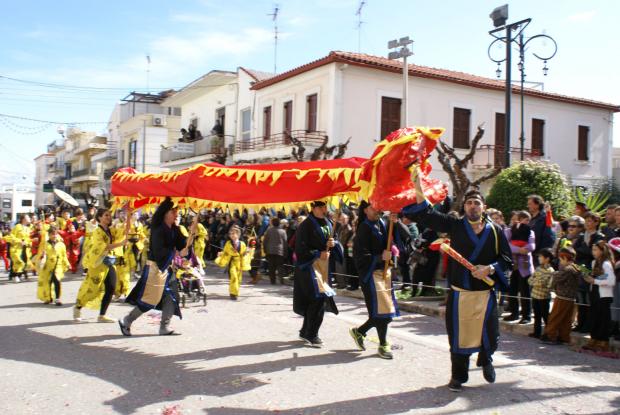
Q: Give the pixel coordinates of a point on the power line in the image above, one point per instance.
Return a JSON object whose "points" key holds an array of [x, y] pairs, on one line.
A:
{"points": [[52, 122]]}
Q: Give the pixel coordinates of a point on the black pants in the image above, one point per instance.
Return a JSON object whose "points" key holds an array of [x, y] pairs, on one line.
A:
{"points": [[110, 284], [353, 280], [600, 319], [275, 263], [460, 364], [519, 287], [405, 270], [313, 319], [54, 281], [541, 313], [381, 324]]}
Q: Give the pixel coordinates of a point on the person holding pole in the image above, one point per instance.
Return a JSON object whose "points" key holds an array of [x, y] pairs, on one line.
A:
{"points": [[157, 287], [372, 251], [471, 309]]}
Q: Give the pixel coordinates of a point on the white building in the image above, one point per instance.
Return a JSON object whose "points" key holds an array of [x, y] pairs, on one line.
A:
{"points": [[144, 127], [43, 164], [355, 95], [15, 200], [213, 98]]}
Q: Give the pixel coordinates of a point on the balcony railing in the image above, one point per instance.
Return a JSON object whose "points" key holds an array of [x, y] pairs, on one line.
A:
{"points": [[82, 172], [284, 139], [490, 156], [209, 145]]}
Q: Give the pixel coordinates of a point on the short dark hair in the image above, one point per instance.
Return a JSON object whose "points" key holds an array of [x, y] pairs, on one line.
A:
{"points": [[275, 222], [546, 252], [591, 215], [522, 214], [100, 213], [536, 199], [473, 193]]}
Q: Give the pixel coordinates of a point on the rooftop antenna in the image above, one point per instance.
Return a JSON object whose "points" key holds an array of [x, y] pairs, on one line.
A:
{"points": [[358, 13], [274, 18], [148, 73]]}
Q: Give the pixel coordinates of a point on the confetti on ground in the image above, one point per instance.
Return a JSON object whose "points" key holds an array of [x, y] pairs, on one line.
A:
{"points": [[172, 410]]}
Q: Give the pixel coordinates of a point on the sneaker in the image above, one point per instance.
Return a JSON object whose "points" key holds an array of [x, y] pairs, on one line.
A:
{"points": [[305, 340], [358, 338], [385, 352], [488, 371], [167, 332], [105, 319], [17, 279], [525, 321], [77, 314], [455, 386], [58, 303], [317, 343], [125, 329], [233, 297]]}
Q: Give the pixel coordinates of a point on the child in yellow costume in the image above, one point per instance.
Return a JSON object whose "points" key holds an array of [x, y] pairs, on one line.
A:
{"points": [[235, 258], [98, 286], [19, 238], [53, 265], [124, 258], [200, 243]]}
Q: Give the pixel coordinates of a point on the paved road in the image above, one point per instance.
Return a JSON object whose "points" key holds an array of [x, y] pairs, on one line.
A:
{"points": [[244, 358]]}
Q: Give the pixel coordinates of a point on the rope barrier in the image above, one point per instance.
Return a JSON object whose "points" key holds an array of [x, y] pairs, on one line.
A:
{"points": [[412, 284]]}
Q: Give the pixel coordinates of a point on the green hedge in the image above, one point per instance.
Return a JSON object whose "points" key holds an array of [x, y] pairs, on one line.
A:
{"points": [[514, 184]]}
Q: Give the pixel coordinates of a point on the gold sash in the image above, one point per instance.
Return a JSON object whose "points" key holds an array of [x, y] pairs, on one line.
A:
{"points": [[472, 307], [383, 292], [155, 284], [321, 276]]}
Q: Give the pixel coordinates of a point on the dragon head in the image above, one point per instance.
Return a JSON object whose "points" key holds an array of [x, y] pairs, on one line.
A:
{"points": [[386, 176]]}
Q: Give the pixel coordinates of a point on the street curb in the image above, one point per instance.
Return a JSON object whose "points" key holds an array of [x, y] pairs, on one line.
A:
{"points": [[432, 308]]}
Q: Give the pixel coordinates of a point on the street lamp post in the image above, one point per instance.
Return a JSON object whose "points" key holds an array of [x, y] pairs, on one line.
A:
{"points": [[499, 16], [403, 52]]}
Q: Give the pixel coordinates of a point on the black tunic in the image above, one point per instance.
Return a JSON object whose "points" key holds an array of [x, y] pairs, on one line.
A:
{"points": [[310, 240], [489, 247], [163, 243]]}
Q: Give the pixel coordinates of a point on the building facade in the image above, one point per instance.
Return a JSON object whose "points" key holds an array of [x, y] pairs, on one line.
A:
{"points": [[43, 165], [15, 200]]}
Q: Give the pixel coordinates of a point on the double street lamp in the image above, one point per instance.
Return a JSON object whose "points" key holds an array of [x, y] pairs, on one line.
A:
{"points": [[402, 52], [500, 16]]}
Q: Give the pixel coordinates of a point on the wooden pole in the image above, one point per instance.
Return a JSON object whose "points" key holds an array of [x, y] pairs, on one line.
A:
{"points": [[389, 247]]}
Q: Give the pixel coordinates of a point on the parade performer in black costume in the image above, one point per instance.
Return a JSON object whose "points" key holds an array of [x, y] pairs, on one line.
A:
{"points": [[157, 287], [312, 294], [471, 311], [369, 254]]}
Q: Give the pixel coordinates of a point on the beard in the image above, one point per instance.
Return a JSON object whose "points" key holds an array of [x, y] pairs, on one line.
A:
{"points": [[473, 217]]}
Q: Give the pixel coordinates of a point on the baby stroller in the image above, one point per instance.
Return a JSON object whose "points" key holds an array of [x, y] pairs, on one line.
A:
{"points": [[191, 283]]}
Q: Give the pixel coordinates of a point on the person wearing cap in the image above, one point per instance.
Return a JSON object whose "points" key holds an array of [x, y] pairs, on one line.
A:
{"points": [[165, 241], [312, 295], [471, 309], [614, 245], [370, 254]]}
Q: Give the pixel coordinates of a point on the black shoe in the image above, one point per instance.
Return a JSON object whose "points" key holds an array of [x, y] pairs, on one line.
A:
{"points": [[525, 321], [317, 343], [455, 386], [511, 318], [488, 371], [233, 297], [534, 335], [124, 329]]}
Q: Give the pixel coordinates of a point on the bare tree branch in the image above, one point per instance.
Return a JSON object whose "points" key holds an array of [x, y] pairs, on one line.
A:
{"points": [[489, 176]]}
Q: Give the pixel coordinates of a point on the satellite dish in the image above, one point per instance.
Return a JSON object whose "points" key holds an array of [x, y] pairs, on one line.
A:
{"points": [[66, 197]]}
